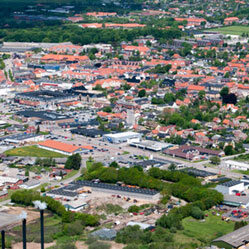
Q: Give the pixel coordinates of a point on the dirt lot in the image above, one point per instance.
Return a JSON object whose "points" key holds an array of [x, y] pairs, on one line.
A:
{"points": [[31, 245], [99, 198], [82, 245]]}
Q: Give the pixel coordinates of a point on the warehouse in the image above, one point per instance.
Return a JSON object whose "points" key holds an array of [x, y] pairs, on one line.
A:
{"points": [[23, 138], [63, 148], [43, 117], [43, 98], [122, 137], [94, 133], [236, 201], [151, 145], [231, 164], [115, 189], [235, 239], [229, 188]]}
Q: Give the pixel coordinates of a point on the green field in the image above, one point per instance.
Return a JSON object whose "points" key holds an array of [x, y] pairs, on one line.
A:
{"points": [[197, 231], [32, 151], [232, 30]]}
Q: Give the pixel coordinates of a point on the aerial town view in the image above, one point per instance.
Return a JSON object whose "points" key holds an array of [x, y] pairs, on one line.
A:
{"points": [[124, 124]]}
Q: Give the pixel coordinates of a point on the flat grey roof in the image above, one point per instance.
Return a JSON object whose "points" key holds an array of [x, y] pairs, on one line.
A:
{"points": [[230, 183], [236, 238], [237, 199], [20, 136]]}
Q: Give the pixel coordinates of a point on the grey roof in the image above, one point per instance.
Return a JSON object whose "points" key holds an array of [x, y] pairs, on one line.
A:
{"points": [[230, 183], [236, 238], [243, 200], [101, 185], [44, 115], [105, 233], [19, 137]]}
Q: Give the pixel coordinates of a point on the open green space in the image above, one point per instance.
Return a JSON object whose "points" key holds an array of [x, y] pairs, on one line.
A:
{"points": [[232, 30], [204, 231], [32, 151], [70, 174]]}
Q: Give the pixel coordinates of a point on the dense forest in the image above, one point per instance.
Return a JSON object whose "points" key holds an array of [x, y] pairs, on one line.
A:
{"points": [[81, 36]]}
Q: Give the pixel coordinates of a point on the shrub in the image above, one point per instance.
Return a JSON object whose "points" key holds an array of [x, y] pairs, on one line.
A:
{"points": [[133, 209], [72, 229], [197, 213], [98, 245]]}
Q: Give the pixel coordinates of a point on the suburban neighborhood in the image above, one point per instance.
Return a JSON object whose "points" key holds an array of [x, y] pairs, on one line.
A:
{"points": [[125, 124]]}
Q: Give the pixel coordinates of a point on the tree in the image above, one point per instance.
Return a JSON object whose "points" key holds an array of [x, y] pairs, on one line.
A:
{"points": [[169, 221], [141, 93], [224, 91], [239, 224], [197, 213], [172, 167], [229, 99], [73, 162], [37, 130], [229, 150], [27, 172], [169, 98], [215, 160], [201, 95], [114, 164], [107, 109]]}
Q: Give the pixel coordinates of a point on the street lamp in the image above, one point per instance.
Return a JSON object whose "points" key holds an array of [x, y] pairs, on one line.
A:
{"points": [[41, 206], [23, 216]]}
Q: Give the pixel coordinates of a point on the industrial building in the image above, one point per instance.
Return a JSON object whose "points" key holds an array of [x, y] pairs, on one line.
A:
{"points": [[43, 117], [151, 145], [88, 132], [231, 164], [122, 137], [63, 148], [236, 239], [44, 98], [193, 153], [229, 188], [115, 189], [236, 201], [22, 138]]}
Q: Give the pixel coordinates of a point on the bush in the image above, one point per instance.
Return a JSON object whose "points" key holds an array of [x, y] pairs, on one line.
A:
{"points": [[172, 220], [98, 245], [239, 224], [72, 229], [197, 213], [133, 209]]}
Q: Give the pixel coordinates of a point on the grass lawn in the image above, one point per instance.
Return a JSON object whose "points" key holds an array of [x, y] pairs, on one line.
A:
{"points": [[52, 226], [232, 30], [89, 164], [205, 231], [32, 151], [244, 172], [70, 174]]}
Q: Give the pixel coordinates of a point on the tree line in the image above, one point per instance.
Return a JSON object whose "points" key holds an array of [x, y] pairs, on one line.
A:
{"points": [[82, 36]]}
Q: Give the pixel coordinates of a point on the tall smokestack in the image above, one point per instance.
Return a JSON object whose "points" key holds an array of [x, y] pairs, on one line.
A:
{"points": [[42, 228], [3, 239], [41, 205]]}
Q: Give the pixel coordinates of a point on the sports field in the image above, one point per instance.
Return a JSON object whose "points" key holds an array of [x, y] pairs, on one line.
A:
{"points": [[232, 30]]}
